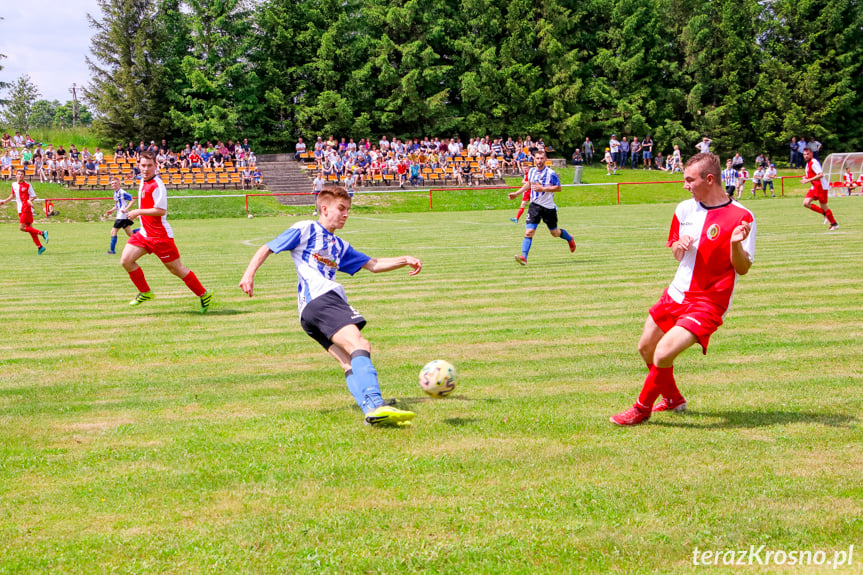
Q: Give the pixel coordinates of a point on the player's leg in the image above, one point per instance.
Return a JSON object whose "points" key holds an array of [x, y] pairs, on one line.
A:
{"points": [[828, 213], [550, 219], [112, 249], [363, 381], [177, 268], [529, 232], [128, 259]]}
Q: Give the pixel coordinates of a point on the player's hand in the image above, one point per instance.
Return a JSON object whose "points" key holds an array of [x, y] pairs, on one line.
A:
{"points": [[247, 285], [415, 264], [512, 195], [132, 215], [741, 232], [685, 242]]}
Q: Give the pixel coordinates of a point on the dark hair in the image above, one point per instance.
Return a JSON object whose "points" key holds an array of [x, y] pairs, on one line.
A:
{"points": [[149, 154], [709, 164]]}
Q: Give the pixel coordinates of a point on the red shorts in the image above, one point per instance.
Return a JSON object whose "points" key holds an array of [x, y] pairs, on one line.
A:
{"points": [[525, 197], [818, 193], [25, 217], [700, 318], [164, 248]]}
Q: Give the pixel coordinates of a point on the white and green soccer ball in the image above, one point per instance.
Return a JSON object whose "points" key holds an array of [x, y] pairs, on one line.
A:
{"points": [[438, 378]]}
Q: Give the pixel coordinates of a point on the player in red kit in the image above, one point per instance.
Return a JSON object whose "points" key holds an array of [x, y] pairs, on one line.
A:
{"points": [[156, 237], [713, 238], [23, 194], [818, 191]]}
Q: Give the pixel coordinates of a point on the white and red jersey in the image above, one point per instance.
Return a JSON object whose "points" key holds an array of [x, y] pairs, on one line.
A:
{"points": [[23, 193], [813, 168], [706, 272], [848, 178], [153, 194]]}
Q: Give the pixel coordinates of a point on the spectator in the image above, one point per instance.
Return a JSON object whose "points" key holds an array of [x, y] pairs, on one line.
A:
{"points": [[577, 158], [257, 177], [659, 162], [300, 149], [608, 159], [416, 174], [90, 168], [614, 145], [6, 140], [704, 145], [647, 153], [635, 151], [793, 159], [815, 146], [737, 161], [624, 153], [6, 165], [587, 146]]}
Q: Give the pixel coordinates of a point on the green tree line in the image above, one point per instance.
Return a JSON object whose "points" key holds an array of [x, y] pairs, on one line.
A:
{"points": [[750, 74]]}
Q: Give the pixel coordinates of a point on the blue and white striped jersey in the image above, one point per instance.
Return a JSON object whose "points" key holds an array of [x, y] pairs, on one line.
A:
{"points": [[317, 256], [544, 177], [121, 202], [729, 176]]}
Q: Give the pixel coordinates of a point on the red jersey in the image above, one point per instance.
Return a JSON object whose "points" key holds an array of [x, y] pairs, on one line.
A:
{"points": [[23, 192], [813, 168], [153, 194], [706, 272]]}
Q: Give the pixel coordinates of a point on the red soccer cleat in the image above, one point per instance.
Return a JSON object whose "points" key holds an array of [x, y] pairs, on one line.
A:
{"points": [[632, 416], [666, 405], [572, 245], [521, 259]]}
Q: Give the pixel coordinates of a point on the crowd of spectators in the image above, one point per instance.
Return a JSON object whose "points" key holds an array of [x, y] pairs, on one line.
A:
{"points": [[56, 165], [410, 161]]}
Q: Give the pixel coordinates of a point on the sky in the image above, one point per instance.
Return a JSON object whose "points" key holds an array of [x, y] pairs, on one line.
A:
{"points": [[48, 40]]}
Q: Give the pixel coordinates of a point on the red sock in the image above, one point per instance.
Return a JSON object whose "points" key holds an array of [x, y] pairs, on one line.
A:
{"points": [[828, 213], [193, 284], [815, 208], [650, 391], [520, 212], [35, 235], [138, 279], [667, 385]]}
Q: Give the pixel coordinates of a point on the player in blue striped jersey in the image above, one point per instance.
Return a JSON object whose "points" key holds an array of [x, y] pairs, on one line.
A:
{"points": [[729, 179], [543, 184], [325, 313], [122, 204]]}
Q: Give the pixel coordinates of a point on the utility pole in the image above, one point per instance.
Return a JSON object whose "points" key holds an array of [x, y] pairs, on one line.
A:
{"points": [[74, 104]]}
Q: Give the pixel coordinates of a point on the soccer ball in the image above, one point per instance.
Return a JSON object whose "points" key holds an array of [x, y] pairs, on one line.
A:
{"points": [[438, 378]]}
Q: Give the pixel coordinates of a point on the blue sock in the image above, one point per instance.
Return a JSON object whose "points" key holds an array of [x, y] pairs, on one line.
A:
{"points": [[565, 234], [135, 231], [113, 243], [365, 381], [353, 388], [525, 246]]}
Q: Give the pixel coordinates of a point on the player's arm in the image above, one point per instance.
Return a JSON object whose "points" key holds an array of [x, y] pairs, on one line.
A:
{"points": [[156, 212], [247, 283], [739, 258], [817, 176], [108, 213], [519, 192], [9, 199], [378, 265]]}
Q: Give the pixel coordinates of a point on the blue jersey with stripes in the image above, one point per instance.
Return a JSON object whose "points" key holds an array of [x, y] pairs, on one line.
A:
{"points": [[121, 202], [543, 177], [318, 255], [729, 176]]}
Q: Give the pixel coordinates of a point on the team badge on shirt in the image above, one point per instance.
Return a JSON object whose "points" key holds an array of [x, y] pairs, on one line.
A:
{"points": [[713, 232], [323, 259]]}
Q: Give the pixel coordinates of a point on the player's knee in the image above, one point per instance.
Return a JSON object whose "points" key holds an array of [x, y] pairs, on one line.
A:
{"points": [[555, 232], [529, 233]]}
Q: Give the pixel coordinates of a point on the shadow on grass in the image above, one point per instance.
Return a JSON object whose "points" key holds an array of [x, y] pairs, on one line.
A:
{"points": [[750, 419]]}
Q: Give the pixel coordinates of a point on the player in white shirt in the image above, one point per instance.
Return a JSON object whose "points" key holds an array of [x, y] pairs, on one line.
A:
{"points": [[543, 184], [325, 313]]}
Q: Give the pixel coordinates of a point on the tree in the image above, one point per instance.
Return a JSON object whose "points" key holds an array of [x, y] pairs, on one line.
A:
{"points": [[3, 85], [133, 54], [18, 108], [43, 112], [219, 99]]}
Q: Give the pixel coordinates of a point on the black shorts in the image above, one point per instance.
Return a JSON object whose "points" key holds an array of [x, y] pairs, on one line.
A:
{"points": [[327, 314], [537, 213], [730, 190], [122, 224]]}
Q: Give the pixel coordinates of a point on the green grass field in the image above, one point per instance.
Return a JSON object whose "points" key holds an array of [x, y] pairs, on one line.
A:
{"points": [[157, 440]]}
